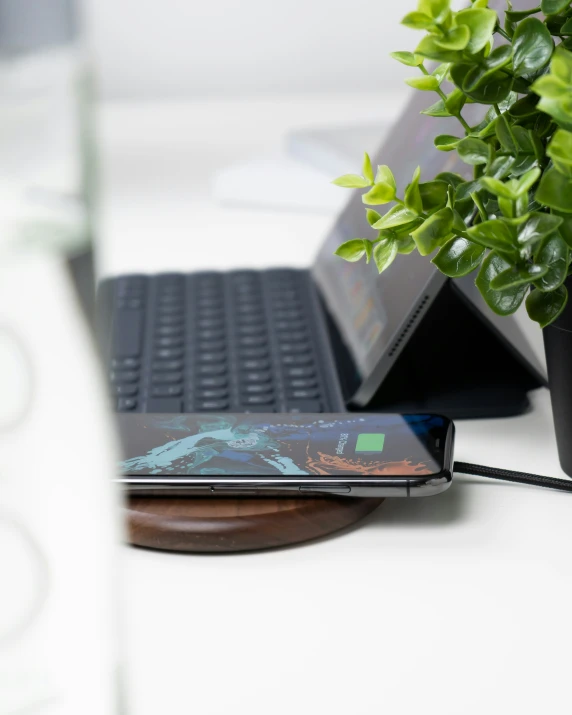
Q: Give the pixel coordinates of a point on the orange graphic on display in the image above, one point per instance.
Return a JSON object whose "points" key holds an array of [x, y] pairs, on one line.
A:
{"points": [[327, 463]]}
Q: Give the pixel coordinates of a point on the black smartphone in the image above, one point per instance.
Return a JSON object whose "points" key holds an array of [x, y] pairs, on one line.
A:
{"points": [[353, 454]]}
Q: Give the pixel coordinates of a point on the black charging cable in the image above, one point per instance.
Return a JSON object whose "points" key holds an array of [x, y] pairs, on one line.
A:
{"points": [[476, 470]]}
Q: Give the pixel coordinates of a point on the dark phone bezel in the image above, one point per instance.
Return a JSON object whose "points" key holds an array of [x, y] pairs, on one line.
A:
{"points": [[227, 485]]}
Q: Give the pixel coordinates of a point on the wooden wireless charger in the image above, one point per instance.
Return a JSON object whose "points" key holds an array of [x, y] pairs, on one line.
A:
{"points": [[241, 524]]}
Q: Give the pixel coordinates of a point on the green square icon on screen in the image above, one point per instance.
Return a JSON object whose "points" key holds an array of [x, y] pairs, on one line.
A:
{"points": [[370, 442]]}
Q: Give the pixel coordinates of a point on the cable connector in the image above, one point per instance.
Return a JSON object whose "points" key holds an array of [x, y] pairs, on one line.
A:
{"points": [[564, 485]]}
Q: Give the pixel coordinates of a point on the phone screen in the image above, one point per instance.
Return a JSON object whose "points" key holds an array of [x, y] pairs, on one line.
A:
{"points": [[283, 444]]}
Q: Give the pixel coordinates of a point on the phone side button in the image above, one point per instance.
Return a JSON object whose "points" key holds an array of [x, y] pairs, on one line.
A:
{"points": [[326, 489]]}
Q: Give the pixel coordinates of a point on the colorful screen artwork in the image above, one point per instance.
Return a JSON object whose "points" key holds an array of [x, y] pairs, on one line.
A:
{"points": [[287, 445]]}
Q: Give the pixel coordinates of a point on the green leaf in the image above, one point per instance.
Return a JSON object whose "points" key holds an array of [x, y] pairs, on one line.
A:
{"points": [[397, 216], [565, 229], [457, 38], [533, 46], [418, 21], [505, 135], [384, 254], [433, 195], [497, 188], [554, 254], [493, 89], [353, 250], [433, 231], [514, 276], [446, 142], [427, 83], [367, 170], [555, 191], [560, 151], [372, 216], [544, 308], [566, 28], [493, 234], [465, 190], [538, 226], [518, 15], [525, 107], [551, 87], [440, 72], [406, 245], [559, 109], [407, 58], [481, 23], [501, 167], [458, 257], [385, 176], [561, 65], [553, 7], [428, 47], [437, 110], [473, 151], [412, 195], [381, 193], [450, 179], [437, 9], [478, 73], [351, 181], [455, 101], [501, 302]]}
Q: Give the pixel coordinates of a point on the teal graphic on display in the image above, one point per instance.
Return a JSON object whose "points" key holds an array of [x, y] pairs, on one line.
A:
{"points": [[288, 445]]}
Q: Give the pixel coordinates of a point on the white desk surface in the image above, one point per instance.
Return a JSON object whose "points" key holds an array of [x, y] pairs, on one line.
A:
{"points": [[448, 605]]}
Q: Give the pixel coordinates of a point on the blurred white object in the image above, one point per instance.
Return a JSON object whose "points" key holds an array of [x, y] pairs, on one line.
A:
{"points": [[59, 528], [301, 179], [44, 122]]}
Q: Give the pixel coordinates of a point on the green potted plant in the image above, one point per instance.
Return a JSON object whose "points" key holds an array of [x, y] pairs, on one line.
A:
{"points": [[510, 220]]}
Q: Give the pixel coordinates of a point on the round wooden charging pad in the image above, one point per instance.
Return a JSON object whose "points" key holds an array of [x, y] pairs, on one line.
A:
{"points": [[240, 524]]}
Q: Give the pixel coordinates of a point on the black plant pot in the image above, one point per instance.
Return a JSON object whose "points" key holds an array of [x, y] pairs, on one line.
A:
{"points": [[558, 348]]}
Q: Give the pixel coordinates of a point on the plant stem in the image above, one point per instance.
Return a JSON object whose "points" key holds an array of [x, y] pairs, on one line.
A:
{"points": [[502, 32], [480, 206], [443, 96]]}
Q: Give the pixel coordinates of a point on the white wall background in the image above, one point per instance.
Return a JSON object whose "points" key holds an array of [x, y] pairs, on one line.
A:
{"points": [[180, 48]]}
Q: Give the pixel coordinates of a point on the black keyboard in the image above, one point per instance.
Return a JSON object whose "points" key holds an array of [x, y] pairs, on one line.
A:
{"points": [[244, 341]]}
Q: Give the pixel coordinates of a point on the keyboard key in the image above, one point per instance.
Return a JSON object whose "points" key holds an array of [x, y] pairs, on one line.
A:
{"points": [[169, 353], [211, 381], [294, 348], [252, 341], [170, 320], [246, 353], [167, 378], [127, 333], [166, 405], [249, 365], [210, 323], [167, 365], [211, 346], [257, 388], [254, 329], [167, 331], [212, 405], [212, 358], [258, 408], [211, 369], [171, 342], [302, 383], [256, 376], [213, 394], [304, 406], [167, 391], [294, 336], [125, 390], [126, 363], [118, 377], [304, 359], [211, 334], [304, 394], [258, 399], [300, 372], [126, 404]]}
